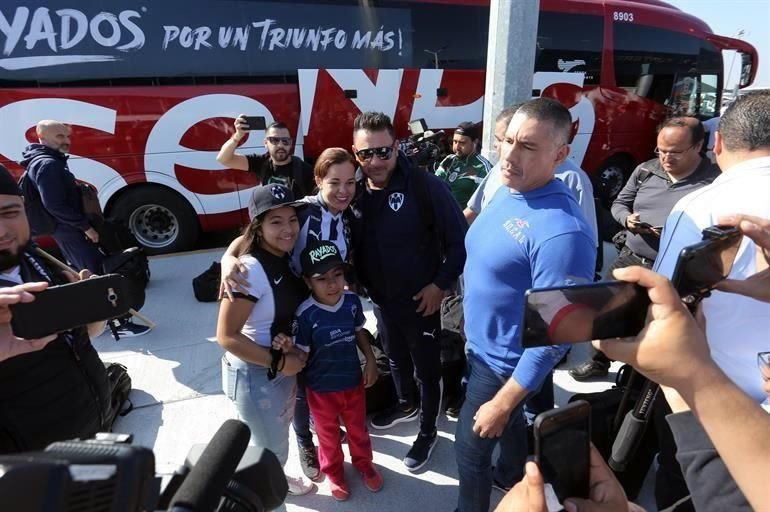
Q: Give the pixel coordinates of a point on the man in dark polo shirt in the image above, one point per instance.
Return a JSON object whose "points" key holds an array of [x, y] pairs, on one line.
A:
{"points": [[276, 165], [644, 203]]}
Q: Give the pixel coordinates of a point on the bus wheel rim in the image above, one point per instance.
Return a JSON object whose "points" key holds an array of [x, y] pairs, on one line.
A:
{"points": [[154, 226]]}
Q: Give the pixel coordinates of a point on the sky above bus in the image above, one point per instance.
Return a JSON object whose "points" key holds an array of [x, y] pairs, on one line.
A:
{"points": [[728, 18]]}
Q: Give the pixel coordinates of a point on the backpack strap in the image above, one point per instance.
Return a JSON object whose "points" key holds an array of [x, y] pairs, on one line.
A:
{"points": [[644, 175]]}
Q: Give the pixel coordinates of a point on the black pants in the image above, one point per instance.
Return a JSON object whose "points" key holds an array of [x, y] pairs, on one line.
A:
{"points": [[413, 348], [79, 251], [625, 258], [670, 485]]}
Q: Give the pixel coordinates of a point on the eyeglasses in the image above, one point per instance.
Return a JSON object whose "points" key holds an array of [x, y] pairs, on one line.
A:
{"points": [[672, 154], [763, 362], [285, 141], [383, 153]]}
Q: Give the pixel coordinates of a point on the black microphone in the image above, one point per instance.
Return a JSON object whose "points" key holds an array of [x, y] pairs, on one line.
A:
{"points": [[203, 487], [633, 428]]}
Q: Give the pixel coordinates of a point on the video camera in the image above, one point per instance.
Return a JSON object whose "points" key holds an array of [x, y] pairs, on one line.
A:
{"points": [[424, 147], [108, 474]]}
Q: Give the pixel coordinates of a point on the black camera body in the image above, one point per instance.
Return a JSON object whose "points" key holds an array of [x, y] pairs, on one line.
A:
{"points": [[80, 476], [108, 474]]}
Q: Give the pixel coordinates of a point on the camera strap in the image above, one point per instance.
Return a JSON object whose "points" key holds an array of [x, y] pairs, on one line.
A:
{"points": [[37, 266]]}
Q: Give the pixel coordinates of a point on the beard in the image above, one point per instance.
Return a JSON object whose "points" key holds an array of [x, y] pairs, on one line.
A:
{"points": [[10, 259], [280, 155]]}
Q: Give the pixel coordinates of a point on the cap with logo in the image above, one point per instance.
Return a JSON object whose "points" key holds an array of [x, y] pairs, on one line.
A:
{"points": [[319, 257], [270, 197]]}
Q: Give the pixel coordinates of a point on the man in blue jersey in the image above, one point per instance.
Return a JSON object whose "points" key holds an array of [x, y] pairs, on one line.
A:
{"points": [[531, 234]]}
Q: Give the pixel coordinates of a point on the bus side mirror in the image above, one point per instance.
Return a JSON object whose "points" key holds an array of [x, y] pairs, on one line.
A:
{"points": [[747, 64]]}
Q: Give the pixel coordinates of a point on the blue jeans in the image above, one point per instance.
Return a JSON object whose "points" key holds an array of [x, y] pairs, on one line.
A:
{"points": [[266, 406], [474, 454]]}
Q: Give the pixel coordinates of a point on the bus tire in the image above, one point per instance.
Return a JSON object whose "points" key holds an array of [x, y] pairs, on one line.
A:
{"points": [[611, 178], [160, 219]]}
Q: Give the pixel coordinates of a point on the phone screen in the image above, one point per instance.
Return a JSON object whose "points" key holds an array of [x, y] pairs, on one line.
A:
{"points": [[703, 265], [562, 449], [572, 314]]}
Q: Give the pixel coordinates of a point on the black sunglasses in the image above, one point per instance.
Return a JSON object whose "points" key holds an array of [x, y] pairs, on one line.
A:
{"points": [[383, 153], [286, 141]]}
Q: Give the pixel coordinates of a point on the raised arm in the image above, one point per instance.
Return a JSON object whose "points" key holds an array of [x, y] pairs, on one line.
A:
{"points": [[227, 155]]}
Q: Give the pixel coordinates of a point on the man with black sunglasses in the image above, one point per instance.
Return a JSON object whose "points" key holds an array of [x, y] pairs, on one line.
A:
{"points": [[277, 165], [408, 251]]}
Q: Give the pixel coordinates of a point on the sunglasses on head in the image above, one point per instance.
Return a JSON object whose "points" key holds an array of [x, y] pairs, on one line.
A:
{"points": [[286, 141], [383, 153]]}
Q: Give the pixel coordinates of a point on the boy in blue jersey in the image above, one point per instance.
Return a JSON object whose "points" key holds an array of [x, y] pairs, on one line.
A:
{"points": [[329, 325]]}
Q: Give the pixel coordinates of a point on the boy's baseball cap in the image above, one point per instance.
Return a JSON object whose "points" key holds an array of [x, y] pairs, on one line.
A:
{"points": [[319, 257], [270, 197]]}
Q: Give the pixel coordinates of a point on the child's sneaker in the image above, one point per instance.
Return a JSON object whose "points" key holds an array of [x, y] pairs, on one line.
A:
{"points": [[340, 490], [308, 460], [372, 479], [298, 486]]}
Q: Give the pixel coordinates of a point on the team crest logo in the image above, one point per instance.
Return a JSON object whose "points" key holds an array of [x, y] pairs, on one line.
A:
{"points": [[452, 176], [278, 192], [354, 310], [396, 200]]}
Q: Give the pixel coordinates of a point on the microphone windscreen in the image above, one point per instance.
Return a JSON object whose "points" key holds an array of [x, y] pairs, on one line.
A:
{"points": [[203, 487]]}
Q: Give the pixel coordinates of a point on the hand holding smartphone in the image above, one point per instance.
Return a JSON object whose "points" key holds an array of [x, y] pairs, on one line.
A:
{"points": [[64, 307], [254, 123], [616, 309], [701, 266], [562, 449], [573, 314]]}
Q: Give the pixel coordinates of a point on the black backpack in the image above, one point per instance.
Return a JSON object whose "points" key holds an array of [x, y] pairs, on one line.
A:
{"points": [[206, 285], [133, 265], [120, 387]]}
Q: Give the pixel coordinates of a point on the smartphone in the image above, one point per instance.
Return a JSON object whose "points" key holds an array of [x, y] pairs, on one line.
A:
{"points": [[647, 225], [255, 123], [701, 266], [562, 449], [584, 312], [64, 307]]}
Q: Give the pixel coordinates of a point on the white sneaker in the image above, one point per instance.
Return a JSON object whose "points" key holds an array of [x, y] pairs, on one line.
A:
{"points": [[299, 485]]}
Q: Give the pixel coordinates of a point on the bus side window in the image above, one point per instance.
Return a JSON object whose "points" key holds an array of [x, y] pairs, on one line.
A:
{"points": [[666, 66], [570, 43]]}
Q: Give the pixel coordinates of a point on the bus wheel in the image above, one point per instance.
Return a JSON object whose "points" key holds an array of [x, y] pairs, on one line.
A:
{"points": [[160, 219], [612, 176]]}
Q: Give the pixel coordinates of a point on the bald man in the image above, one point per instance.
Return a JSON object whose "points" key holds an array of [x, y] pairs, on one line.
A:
{"points": [[53, 199]]}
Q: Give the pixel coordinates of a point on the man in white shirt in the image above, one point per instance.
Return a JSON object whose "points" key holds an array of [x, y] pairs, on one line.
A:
{"points": [[736, 326]]}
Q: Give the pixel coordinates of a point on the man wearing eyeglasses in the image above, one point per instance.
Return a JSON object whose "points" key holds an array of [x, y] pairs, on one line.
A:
{"points": [[650, 193], [408, 251], [277, 165]]}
